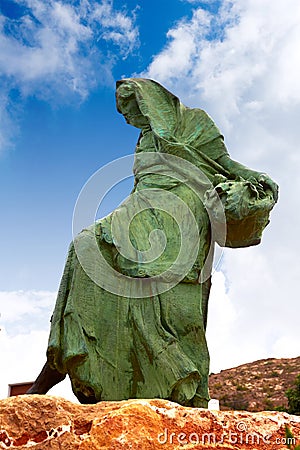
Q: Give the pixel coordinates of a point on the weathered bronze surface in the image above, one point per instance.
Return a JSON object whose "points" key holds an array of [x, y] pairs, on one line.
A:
{"points": [[148, 340]]}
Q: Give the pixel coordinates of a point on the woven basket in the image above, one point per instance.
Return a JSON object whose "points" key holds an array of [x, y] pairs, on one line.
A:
{"points": [[239, 219]]}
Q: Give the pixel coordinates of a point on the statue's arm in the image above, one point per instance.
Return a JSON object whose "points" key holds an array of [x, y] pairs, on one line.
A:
{"points": [[237, 169]]}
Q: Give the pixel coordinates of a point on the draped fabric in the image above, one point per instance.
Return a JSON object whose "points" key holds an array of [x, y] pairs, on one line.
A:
{"points": [[116, 347]]}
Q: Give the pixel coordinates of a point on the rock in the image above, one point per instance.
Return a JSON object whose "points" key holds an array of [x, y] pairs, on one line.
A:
{"points": [[45, 422]]}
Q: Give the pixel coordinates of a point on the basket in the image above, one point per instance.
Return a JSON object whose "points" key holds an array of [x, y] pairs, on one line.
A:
{"points": [[239, 219]]}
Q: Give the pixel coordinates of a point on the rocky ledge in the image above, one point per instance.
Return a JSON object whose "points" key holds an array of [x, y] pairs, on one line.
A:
{"points": [[44, 422]]}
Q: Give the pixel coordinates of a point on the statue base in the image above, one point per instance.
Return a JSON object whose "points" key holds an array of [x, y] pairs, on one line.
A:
{"points": [[43, 422]]}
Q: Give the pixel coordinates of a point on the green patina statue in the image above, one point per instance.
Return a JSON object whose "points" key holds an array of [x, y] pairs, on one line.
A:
{"points": [[131, 312]]}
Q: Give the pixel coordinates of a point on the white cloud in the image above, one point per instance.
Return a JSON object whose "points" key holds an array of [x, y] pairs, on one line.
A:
{"points": [[23, 357], [253, 313], [250, 59], [58, 39], [117, 26], [24, 328], [57, 50], [221, 320], [242, 65], [6, 119], [177, 59], [18, 307]]}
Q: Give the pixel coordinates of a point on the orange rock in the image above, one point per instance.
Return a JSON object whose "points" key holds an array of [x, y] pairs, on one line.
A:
{"points": [[44, 422]]}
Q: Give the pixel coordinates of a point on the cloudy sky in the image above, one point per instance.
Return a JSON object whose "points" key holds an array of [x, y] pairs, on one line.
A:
{"points": [[59, 60]]}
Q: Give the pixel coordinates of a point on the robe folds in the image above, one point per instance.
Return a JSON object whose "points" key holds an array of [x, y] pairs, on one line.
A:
{"points": [[114, 341]]}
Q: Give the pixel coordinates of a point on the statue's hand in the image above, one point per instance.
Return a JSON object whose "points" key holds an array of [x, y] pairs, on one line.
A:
{"points": [[268, 183]]}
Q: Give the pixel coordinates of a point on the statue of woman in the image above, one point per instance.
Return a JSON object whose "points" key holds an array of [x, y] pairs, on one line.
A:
{"points": [[146, 339]]}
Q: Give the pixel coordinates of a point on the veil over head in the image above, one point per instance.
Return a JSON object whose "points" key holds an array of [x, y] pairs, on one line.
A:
{"points": [[168, 117]]}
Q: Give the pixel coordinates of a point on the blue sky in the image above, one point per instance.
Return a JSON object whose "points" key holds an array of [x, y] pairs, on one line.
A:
{"points": [[59, 60], [58, 138]]}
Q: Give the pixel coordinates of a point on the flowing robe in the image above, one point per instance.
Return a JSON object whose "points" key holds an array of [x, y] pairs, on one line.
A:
{"points": [[115, 346]]}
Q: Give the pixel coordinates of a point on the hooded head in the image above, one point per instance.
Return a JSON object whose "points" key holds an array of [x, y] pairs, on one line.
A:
{"points": [[127, 104], [145, 103]]}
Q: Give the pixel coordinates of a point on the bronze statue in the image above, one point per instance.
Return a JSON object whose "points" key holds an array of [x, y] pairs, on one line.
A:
{"points": [[140, 331]]}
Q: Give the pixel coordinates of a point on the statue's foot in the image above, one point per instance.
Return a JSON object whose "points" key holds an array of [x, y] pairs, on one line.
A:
{"points": [[46, 380], [200, 402], [184, 390], [34, 390], [85, 399]]}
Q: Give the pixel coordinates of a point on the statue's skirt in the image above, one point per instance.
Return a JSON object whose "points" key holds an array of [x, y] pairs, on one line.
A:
{"points": [[115, 348]]}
